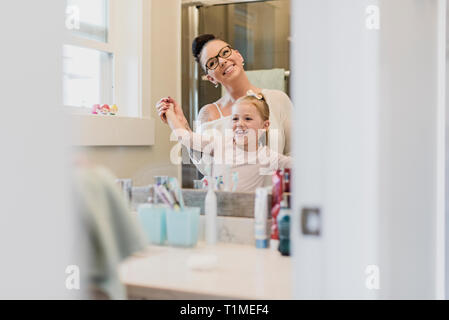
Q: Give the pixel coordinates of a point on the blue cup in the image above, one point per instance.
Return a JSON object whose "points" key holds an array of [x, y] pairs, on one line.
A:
{"points": [[182, 226], [152, 218]]}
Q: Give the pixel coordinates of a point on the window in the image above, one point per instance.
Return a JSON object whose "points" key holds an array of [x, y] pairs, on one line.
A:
{"points": [[88, 56], [93, 18], [102, 64], [87, 76]]}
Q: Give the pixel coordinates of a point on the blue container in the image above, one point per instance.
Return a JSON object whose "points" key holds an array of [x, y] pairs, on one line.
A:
{"points": [[152, 218], [182, 226]]}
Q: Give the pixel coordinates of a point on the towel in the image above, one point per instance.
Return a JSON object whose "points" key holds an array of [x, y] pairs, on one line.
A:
{"points": [[266, 79], [112, 233]]}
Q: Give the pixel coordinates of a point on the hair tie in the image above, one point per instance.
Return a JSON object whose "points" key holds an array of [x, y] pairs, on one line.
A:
{"points": [[258, 96]]}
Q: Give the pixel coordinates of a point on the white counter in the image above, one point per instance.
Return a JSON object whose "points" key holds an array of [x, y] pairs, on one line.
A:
{"points": [[242, 272]]}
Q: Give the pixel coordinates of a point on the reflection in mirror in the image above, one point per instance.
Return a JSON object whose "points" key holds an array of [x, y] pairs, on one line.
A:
{"points": [[259, 32]]}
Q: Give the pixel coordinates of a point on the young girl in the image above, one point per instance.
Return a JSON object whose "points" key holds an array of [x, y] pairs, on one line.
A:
{"points": [[242, 149]]}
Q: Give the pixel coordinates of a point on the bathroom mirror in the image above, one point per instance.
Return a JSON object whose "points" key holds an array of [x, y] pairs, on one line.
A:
{"points": [[260, 30]]}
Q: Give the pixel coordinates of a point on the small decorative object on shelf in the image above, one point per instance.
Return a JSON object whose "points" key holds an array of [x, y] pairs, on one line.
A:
{"points": [[104, 109], [113, 110], [95, 108]]}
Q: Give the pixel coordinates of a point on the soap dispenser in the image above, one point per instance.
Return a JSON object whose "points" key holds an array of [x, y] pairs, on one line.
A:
{"points": [[210, 211]]}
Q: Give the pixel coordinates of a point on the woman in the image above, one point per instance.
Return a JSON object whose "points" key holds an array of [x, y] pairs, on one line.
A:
{"points": [[224, 65]]}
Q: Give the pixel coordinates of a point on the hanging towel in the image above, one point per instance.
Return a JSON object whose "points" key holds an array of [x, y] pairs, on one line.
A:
{"points": [[112, 233], [266, 79]]}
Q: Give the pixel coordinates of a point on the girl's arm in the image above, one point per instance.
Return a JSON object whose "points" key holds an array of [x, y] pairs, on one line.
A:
{"points": [[185, 135], [274, 160], [285, 161]]}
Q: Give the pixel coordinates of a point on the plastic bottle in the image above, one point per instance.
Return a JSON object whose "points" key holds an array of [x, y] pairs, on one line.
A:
{"points": [[261, 218], [210, 210], [283, 222], [276, 198]]}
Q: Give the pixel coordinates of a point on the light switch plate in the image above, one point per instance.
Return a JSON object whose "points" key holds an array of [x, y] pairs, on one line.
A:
{"points": [[311, 221]]}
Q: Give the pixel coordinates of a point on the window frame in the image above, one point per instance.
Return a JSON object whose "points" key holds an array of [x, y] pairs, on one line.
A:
{"points": [[107, 47], [129, 127]]}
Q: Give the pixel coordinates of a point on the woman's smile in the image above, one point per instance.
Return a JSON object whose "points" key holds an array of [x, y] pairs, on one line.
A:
{"points": [[229, 69]]}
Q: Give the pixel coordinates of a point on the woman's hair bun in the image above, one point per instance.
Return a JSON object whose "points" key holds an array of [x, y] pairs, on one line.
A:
{"points": [[199, 43]]}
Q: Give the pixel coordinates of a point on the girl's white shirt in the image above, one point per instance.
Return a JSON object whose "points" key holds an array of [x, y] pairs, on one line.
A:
{"points": [[225, 158], [281, 110]]}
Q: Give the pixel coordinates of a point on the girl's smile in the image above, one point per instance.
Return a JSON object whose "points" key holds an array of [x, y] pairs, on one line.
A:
{"points": [[247, 124]]}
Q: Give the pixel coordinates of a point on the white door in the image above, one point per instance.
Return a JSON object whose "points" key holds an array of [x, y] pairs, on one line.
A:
{"points": [[367, 96]]}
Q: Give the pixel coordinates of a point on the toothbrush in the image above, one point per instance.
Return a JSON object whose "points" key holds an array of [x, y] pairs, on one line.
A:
{"points": [[179, 192], [235, 180], [164, 195], [219, 183], [168, 195], [171, 191], [174, 186]]}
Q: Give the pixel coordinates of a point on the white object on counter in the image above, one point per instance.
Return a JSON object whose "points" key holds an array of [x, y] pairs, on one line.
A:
{"points": [[274, 244], [210, 211], [202, 262]]}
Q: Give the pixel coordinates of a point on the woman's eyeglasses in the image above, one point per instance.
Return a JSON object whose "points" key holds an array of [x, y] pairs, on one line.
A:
{"points": [[213, 62]]}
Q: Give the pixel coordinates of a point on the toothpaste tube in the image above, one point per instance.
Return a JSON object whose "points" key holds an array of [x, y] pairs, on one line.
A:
{"points": [[261, 218]]}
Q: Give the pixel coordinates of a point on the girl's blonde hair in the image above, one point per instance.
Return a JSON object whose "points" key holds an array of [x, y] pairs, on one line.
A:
{"points": [[257, 100]]}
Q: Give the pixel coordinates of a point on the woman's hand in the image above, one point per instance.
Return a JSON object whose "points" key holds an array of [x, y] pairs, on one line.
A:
{"points": [[163, 106]]}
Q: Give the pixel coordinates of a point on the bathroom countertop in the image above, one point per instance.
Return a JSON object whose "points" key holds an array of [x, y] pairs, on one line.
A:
{"points": [[241, 272]]}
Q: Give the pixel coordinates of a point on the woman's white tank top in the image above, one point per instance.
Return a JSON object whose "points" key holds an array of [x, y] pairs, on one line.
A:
{"points": [[219, 124]]}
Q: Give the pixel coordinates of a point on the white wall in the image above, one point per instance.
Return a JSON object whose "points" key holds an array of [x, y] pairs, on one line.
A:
{"points": [[161, 76], [37, 225], [365, 148]]}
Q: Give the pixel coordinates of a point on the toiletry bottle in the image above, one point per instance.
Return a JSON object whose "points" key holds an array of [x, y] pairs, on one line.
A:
{"points": [[283, 222], [210, 210], [261, 218], [287, 179], [276, 198]]}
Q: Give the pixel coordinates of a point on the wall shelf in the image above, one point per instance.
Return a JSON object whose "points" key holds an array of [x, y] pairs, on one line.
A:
{"points": [[100, 130]]}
